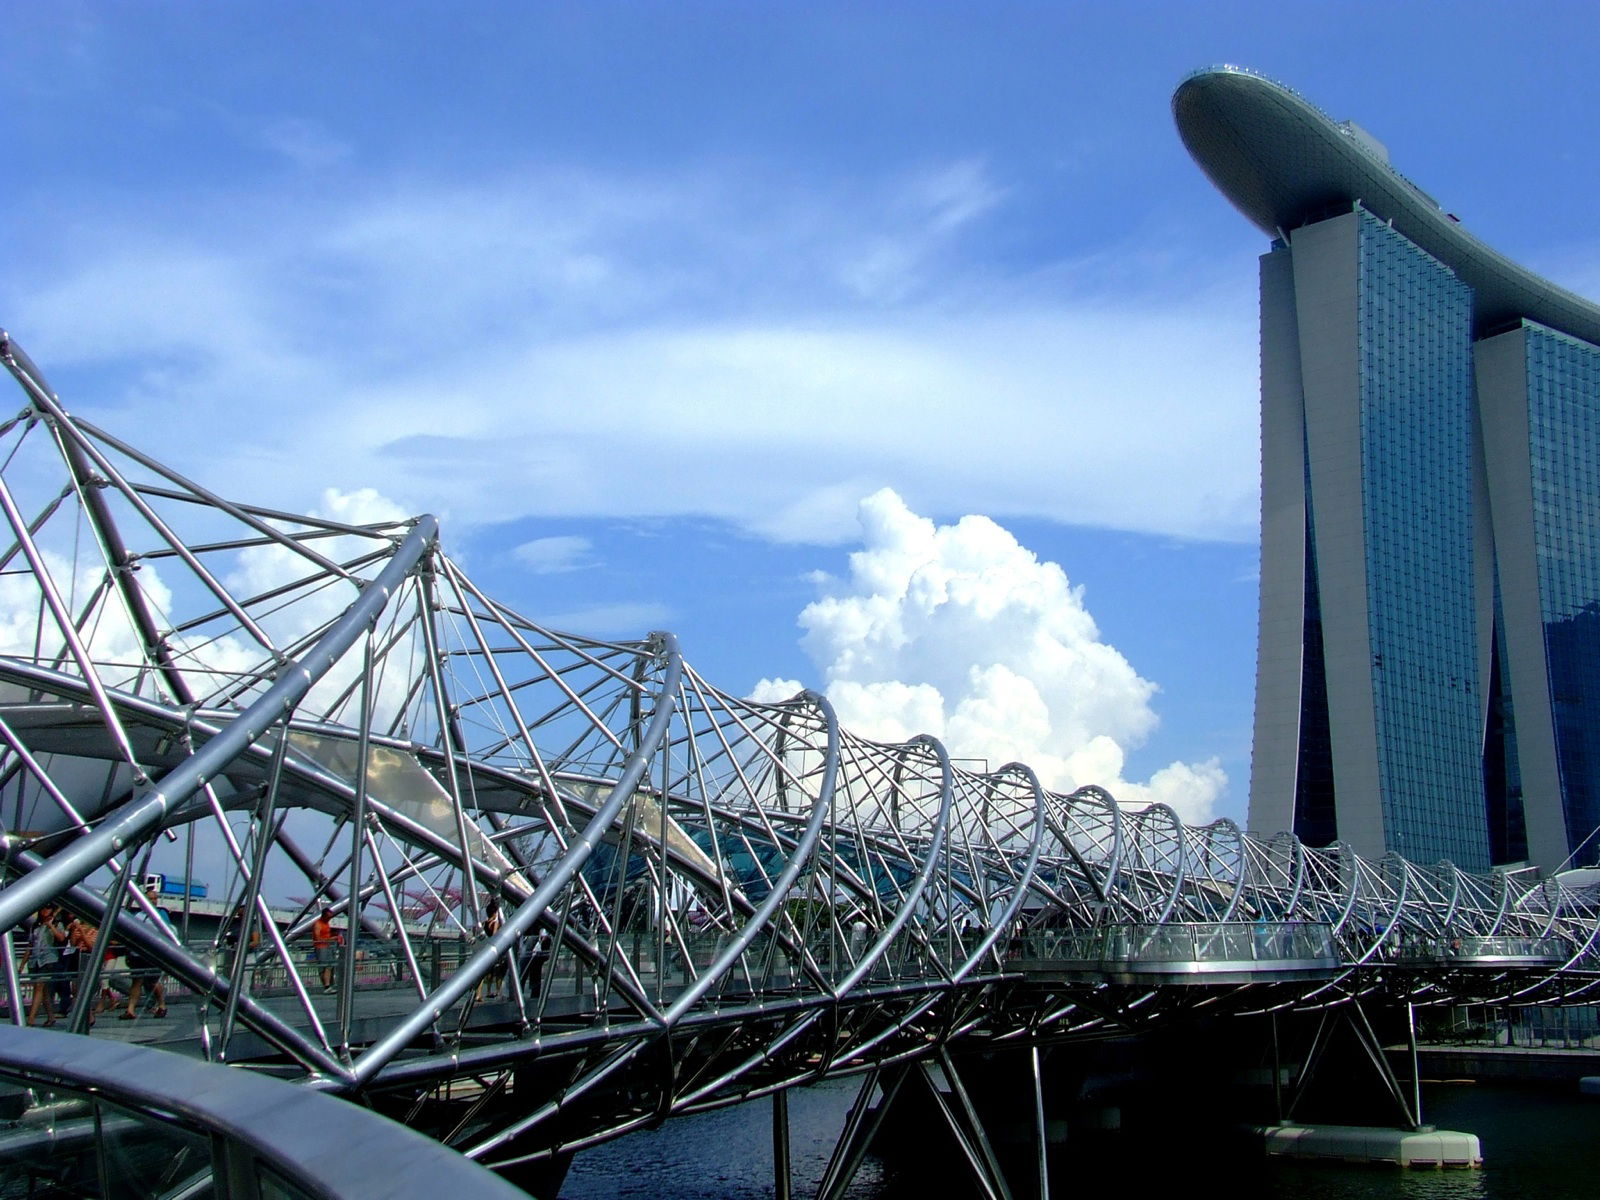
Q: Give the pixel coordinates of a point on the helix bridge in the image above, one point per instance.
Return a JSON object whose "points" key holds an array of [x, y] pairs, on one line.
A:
{"points": [[578, 887]]}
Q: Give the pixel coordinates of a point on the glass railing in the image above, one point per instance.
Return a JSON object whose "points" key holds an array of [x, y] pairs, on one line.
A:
{"points": [[556, 984], [1262, 942], [1453, 947]]}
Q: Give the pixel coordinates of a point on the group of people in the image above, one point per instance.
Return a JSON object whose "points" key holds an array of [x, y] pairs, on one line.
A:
{"points": [[61, 947], [57, 962]]}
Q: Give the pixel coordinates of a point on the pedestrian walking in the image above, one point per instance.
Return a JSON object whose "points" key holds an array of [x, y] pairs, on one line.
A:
{"points": [[491, 926], [536, 962], [325, 942], [143, 973], [45, 940]]}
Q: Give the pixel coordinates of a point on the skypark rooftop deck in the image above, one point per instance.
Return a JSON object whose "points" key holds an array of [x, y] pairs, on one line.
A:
{"points": [[1283, 163]]}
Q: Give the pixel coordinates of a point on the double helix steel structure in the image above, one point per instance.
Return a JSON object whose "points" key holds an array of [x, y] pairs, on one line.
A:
{"points": [[572, 871]]}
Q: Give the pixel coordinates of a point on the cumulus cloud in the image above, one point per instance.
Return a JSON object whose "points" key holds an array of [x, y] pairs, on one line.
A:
{"points": [[288, 596], [265, 570], [961, 632], [29, 631]]}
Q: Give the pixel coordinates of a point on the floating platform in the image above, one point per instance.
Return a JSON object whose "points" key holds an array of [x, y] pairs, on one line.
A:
{"points": [[1373, 1144], [1589, 1085]]}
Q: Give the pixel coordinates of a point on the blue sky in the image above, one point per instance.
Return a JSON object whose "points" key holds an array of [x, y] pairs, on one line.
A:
{"points": [[646, 299]]}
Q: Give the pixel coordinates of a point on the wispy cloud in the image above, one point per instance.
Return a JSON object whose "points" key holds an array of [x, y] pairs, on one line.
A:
{"points": [[554, 555], [623, 618], [927, 213], [306, 143], [560, 343]]}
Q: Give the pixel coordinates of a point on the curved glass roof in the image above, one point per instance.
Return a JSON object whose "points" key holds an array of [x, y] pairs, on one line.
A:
{"points": [[1284, 163]]}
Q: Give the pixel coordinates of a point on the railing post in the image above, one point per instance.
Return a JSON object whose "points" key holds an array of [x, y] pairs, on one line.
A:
{"points": [[1040, 1131], [1277, 1068], [1416, 1075]]}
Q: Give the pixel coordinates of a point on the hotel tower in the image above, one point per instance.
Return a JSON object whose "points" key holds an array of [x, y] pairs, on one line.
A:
{"points": [[1428, 669]]}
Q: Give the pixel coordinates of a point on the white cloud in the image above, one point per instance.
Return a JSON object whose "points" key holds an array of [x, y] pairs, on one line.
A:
{"points": [[775, 691], [628, 619], [561, 343], [959, 631], [309, 606], [289, 597], [554, 555], [28, 629], [931, 209], [307, 144]]}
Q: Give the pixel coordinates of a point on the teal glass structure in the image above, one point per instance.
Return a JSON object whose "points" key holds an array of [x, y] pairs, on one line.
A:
{"points": [[1428, 675]]}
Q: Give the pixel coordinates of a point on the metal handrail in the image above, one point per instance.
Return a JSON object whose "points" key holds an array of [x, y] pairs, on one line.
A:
{"points": [[321, 1146]]}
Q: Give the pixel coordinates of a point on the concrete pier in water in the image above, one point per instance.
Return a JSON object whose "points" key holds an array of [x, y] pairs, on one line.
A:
{"points": [[1375, 1144]]}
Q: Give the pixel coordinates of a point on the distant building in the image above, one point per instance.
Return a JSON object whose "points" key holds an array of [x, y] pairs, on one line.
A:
{"points": [[1428, 677]]}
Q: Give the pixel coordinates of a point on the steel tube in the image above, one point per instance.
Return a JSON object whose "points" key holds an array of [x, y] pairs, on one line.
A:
{"points": [[146, 813]]}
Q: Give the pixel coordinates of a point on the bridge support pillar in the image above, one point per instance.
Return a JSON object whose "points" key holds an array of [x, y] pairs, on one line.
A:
{"points": [[780, 1146], [1354, 1017], [1041, 1141], [936, 1087], [965, 1124], [860, 1127], [1416, 1075]]}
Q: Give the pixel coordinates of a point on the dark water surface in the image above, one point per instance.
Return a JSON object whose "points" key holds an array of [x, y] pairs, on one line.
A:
{"points": [[1538, 1144]]}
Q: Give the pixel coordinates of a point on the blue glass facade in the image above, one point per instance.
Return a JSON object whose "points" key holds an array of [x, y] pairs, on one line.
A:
{"points": [[1564, 460], [1446, 756], [1414, 327]]}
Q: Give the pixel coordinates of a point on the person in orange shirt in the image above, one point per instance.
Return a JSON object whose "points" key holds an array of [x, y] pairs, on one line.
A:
{"points": [[323, 943]]}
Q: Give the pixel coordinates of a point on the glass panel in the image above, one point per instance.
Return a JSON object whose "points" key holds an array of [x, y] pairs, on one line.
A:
{"points": [[47, 1143], [275, 1187], [57, 1142], [1563, 424], [146, 1156]]}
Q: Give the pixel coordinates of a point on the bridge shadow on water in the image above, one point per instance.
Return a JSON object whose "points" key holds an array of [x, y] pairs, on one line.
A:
{"points": [[1540, 1143]]}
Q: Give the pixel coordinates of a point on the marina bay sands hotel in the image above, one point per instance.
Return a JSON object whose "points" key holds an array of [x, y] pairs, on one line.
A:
{"points": [[1428, 676]]}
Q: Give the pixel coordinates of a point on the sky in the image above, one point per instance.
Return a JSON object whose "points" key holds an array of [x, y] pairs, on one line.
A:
{"points": [[894, 350]]}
